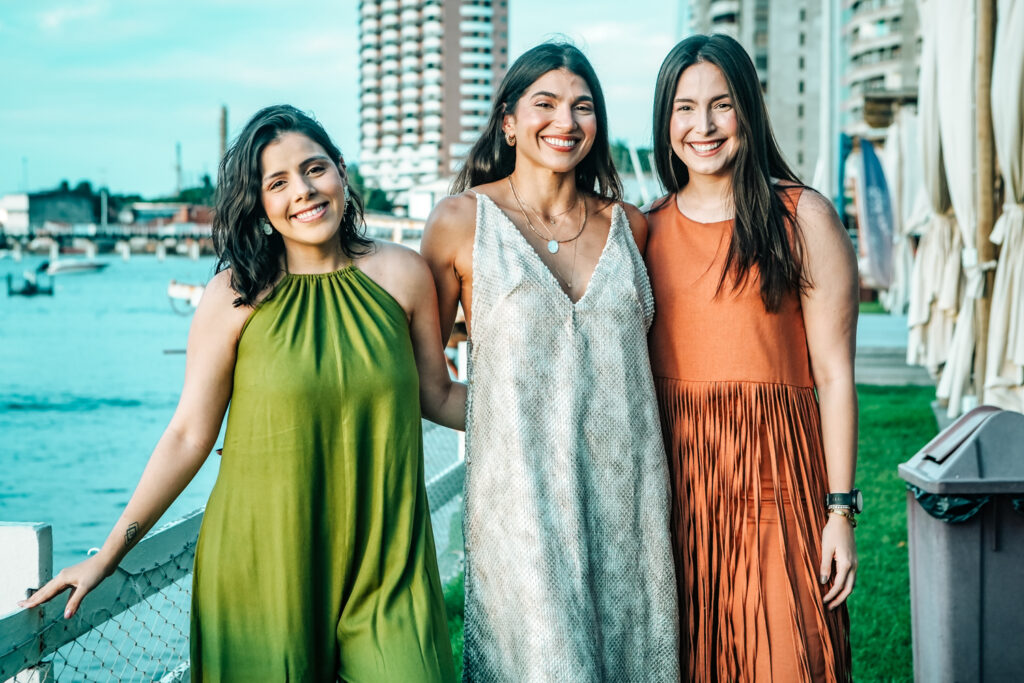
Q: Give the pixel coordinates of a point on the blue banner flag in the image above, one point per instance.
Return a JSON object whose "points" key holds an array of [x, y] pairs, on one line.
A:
{"points": [[874, 218]]}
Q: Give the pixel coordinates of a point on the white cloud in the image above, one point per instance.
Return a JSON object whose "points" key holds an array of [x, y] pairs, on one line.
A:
{"points": [[55, 19]]}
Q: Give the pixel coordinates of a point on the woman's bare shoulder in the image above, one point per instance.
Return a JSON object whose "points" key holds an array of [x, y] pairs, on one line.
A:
{"points": [[217, 309]]}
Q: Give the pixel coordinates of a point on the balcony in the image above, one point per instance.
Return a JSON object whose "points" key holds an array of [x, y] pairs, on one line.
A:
{"points": [[476, 27], [476, 58], [476, 89], [476, 106], [722, 10], [475, 74]]}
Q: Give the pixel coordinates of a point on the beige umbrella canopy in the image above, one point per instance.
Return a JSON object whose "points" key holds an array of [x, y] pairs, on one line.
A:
{"points": [[935, 277], [1004, 374]]}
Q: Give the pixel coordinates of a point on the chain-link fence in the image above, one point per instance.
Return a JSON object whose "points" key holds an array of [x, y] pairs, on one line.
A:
{"points": [[136, 627]]}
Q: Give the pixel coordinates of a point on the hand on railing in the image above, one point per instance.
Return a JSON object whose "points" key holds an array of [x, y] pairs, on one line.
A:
{"points": [[81, 578]]}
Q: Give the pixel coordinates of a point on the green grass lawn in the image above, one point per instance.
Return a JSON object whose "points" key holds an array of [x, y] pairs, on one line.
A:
{"points": [[872, 307], [895, 422]]}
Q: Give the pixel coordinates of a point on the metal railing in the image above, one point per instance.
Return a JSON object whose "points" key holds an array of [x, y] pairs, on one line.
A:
{"points": [[135, 625]]}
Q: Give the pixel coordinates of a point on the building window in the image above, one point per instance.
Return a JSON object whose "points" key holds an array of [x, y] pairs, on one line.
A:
{"points": [[761, 62], [800, 62], [800, 158], [800, 110], [803, 38], [803, 15], [800, 87]]}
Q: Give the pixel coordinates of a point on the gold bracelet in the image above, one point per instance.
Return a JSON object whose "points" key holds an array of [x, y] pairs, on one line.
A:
{"points": [[844, 512]]}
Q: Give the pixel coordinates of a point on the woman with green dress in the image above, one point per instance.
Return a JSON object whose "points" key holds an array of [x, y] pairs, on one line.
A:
{"points": [[316, 559]]}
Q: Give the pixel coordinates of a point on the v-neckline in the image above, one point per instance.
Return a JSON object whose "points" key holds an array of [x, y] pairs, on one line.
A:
{"points": [[544, 266]]}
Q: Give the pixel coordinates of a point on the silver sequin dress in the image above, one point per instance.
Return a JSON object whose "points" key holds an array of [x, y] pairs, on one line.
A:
{"points": [[569, 572]]}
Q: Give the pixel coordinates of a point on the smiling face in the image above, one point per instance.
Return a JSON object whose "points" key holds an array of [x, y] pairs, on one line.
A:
{"points": [[703, 126], [554, 122], [303, 190]]}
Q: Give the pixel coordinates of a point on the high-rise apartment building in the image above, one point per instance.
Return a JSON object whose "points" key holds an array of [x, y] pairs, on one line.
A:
{"points": [[784, 40], [428, 72], [882, 49]]}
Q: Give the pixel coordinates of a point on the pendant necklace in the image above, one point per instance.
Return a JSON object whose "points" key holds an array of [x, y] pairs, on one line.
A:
{"points": [[552, 243]]}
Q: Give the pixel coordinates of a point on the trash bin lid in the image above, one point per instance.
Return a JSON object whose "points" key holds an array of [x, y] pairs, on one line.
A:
{"points": [[982, 452]]}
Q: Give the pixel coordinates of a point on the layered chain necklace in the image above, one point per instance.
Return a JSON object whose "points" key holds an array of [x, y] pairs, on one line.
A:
{"points": [[553, 244]]}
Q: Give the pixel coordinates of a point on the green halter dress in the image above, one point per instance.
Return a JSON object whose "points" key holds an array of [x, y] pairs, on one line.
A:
{"points": [[316, 557]]}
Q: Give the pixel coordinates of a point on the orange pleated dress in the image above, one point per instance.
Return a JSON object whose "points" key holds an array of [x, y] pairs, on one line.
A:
{"points": [[743, 438]]}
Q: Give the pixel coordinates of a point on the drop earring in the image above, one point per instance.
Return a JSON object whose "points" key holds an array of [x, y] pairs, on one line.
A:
{"points": [[267, 228], [510, 139], [346, 194]]}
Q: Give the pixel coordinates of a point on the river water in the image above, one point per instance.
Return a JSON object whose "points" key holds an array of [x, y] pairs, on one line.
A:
{"points": [[89, 379]]}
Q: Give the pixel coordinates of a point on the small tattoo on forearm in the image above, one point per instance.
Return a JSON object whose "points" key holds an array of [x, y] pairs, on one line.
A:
{"points": [[131, 533]]}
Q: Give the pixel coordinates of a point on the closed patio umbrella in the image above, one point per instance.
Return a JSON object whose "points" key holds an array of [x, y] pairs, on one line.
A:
{"points": [[935, 277], [1004, 374]]}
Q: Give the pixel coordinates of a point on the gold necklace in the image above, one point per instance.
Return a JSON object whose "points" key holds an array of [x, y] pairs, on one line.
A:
{"points": [[553, 244]]}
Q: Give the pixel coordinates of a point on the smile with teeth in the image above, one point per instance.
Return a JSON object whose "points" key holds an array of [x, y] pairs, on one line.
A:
{"points": [[562, 143], [705, 147], [312, 214]]}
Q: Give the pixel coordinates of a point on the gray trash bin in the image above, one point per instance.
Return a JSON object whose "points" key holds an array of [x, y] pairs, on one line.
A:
{"points": [[965, 523]]}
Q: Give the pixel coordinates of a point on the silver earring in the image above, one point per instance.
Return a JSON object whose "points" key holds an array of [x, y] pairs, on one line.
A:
{"points": [[346, 193], [266, 227]]}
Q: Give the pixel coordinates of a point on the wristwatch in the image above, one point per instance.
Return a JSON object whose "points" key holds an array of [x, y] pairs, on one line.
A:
{"points": [[853, 501]]}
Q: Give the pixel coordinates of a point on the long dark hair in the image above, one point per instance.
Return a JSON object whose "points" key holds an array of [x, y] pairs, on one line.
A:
{"points": [[492, 159], [760, 237], [256, 259]]}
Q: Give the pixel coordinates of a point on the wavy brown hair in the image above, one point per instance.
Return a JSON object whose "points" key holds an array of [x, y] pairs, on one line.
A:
{"points": [[761, 237], [256, 259], [491, 159]]}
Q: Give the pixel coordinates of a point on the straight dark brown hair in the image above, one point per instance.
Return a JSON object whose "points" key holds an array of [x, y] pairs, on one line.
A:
{"points": [[492, 159], [761, 237]]}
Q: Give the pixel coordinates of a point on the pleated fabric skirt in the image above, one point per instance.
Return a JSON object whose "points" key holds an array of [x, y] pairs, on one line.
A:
{"points": [[748, 481]]}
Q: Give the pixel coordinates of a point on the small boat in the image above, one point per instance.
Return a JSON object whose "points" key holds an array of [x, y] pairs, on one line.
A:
{"points": [[183, 291], [68, 266]]}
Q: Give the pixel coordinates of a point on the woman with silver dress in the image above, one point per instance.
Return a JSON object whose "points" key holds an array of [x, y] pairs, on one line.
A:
{"points": [[569, 572]]}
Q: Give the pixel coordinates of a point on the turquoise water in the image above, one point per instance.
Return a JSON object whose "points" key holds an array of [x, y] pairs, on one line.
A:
{"points": [[86, 389]]}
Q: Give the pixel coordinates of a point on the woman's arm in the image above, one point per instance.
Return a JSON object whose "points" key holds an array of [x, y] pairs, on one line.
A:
{"points": [[406, 277], [182, 449], [447, 246], [442, 400], [637, 225], [830, 317]]}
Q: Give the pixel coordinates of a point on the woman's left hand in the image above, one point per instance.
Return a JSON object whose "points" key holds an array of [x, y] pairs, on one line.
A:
{"points": [[838, 546]]}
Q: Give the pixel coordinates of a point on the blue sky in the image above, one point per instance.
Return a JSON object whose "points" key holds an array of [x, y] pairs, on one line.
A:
{"points": [[103, 89]]}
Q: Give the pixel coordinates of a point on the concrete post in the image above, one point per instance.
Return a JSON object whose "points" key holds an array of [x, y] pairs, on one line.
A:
{"points": [[26, 561], [462, 365]]}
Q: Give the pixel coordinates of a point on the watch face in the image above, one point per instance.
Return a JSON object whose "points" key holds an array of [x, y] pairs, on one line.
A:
{"points": [[858, 501]]}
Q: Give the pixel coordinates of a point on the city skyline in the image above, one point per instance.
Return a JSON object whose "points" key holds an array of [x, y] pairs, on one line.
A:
{"points": [[103, 92]]}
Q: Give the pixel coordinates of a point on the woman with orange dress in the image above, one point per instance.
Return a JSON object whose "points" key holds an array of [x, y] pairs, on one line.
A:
{"points": [[755, 283]]}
